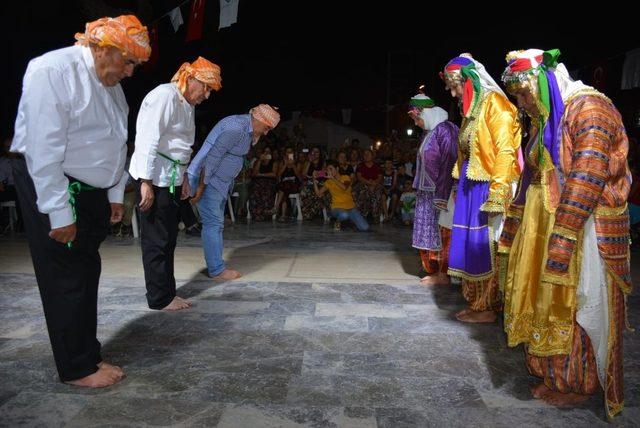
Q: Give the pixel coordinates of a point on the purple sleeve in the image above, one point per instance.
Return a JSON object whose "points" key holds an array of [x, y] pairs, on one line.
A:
{"points": [[431, 158], [447, 141]]}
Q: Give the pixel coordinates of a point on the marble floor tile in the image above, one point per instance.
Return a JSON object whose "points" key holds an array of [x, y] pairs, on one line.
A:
{"points": [[323, 330], [41, 409], [359, 309]]}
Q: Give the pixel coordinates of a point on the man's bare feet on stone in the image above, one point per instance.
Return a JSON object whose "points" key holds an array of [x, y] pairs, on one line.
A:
{"points": [[437, 279], [111, 367], [177, 304], [478, 317], [102, 378], [227, 275]]}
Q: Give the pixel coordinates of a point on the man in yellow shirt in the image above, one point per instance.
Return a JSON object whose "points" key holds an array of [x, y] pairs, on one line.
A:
{"points": [[342, 205]]}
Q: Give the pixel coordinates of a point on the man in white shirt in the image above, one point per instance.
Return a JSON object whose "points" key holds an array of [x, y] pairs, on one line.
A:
{"points": [[70, 137], [165, 131]]}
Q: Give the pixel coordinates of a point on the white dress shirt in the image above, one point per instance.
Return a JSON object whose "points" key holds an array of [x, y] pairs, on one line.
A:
{"points": [[166, 124], [68, 123]]}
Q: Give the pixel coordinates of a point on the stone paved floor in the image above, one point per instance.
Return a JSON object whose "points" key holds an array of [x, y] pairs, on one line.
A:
{"points": [[326, 330]]}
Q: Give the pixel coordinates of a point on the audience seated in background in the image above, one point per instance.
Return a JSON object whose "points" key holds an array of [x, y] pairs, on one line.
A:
{"points": [[7, 188], [312, 204], [241, 186], [354, 158], [408, 203], [409, 162], [401, 177], [398, 158], [290, 177], [344, 167], [388, 186], [369, 191], [262, 189]]}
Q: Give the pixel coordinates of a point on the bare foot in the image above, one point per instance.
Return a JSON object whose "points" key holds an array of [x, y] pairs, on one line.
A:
{"points": [[478, 317], [556, 398], [102, 378], [227, 274], [177, 304], [539, 390], [462, 313], [111, 367], [437, 279]]}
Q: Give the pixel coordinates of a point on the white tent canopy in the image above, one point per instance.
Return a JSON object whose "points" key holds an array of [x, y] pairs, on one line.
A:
{"points": [[322, 132]]}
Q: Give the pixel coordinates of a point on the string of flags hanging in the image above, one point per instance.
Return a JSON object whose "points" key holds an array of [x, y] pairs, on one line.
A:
{"points": [[195, 22], [228, 15]]}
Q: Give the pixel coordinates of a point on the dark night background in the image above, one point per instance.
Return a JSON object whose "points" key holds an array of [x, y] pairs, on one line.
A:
{"points": [[322, 56]]}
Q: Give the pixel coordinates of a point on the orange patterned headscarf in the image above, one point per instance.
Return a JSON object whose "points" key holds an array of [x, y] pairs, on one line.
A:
{"points": [[201, 69], [266, 114], [125, 33]]}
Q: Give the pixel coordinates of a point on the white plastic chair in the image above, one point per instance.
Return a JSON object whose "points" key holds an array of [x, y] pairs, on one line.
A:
{"points": [[134, 223], [388, 208], [13, 213], [230, 206], [325, 216], [297, 206], [296, 199]]}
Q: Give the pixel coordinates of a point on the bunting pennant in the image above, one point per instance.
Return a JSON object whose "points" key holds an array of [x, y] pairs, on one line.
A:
{"points": [[176, 18], [228, 13], [196, 20]]}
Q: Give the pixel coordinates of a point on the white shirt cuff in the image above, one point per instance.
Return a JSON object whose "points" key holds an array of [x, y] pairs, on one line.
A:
{"points": [[61, 218], [116, 194]]}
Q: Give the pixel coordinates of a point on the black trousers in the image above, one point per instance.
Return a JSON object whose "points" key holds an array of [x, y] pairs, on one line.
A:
{"points": [[158, 236], [67, 277]]}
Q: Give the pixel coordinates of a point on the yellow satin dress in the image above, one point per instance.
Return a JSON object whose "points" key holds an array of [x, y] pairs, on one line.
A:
{"points": [[537, 313]]}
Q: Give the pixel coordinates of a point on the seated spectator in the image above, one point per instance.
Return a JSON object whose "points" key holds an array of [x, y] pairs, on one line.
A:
{"points": [[275, 155], [354, 158], [369, 190], [290, 178], [344, 167], [342, 206], [262, 189], [401, 177], [312, 204], [303, 158], [252, 158], [408, 203], [384, 151], [397, 159], [389, 186], [409, 163]]}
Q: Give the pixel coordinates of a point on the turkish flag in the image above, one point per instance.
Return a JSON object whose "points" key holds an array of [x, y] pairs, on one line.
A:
{"points": [[196, 20]]}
